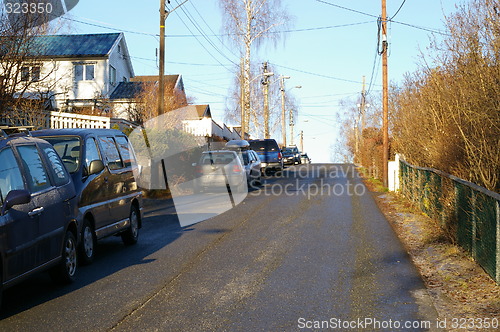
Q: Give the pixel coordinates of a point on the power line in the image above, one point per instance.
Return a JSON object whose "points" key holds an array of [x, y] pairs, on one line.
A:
{"points": [[345, 8], [319, 75], [393, 16], [102, 25], [204, 35], [204, 47], [371, 15]]}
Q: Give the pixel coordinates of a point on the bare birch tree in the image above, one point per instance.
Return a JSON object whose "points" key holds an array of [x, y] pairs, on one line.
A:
{"points": [[248, 23]]}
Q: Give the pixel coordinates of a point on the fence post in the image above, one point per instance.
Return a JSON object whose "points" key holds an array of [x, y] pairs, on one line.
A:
{"points": [[474, 223], [497, 267]]}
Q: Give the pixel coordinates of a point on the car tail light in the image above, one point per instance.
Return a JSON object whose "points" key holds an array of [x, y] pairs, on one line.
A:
{"points": [[236, 169], [279, 155]]}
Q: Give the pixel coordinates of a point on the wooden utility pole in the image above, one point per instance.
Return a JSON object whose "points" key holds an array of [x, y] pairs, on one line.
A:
{"points": [[363, 107], [161, 91], [302, 141], [385, 96], [265, 84], [283, 116], [242, 101], [161, 75]]}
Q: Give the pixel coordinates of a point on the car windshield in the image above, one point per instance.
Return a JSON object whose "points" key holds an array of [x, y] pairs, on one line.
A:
{"points": [[263, 146], [217, 158], [68, 149]]}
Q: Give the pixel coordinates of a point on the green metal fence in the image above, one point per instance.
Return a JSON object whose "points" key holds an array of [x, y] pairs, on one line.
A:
{"points": [[470, 214]]}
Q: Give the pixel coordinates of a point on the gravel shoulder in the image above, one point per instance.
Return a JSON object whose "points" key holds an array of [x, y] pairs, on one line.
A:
{"points": [[461, 290]]}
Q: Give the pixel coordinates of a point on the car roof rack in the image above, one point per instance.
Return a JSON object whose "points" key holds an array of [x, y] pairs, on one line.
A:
{"points": [[14, 131]]}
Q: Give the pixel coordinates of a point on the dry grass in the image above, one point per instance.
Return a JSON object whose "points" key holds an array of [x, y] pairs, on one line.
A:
{"points": [[458, 285]]}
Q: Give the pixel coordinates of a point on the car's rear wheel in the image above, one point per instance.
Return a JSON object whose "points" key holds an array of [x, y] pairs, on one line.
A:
{"points": [[65, 271], [88, 245], [131, 235]]}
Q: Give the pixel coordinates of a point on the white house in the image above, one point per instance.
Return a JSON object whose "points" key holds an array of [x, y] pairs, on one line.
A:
{"points": [[78, 71]]}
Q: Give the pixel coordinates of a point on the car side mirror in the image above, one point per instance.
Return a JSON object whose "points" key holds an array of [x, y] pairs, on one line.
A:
{"points": [[15, 197], [95, 167]]}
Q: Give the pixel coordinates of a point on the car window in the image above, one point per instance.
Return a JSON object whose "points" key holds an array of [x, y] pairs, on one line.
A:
{"points": [[245, 156], [264, 145], [56, 166], [36, 176], [91, 152], [124, 150], [10, 175], [217, 158], [111, 153], [68, 148]]}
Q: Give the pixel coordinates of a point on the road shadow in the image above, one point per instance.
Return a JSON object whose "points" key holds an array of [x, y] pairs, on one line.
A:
{"points": [[160, 228]]}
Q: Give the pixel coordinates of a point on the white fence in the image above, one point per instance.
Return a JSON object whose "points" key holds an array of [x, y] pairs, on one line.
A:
{"points": [[59, 120]]}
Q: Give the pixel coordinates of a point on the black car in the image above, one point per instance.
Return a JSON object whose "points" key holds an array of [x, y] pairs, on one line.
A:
{"points": [[101, 163], [38, 229], [288, 156]]}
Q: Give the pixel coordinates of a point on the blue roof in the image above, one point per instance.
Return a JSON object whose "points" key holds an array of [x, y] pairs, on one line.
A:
{"points": [[73, 46], [129, 90]]}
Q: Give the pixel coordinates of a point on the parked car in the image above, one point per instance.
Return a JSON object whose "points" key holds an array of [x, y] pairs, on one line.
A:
{"points": [[101, 163], [218, 169], [288, 156], [296, 153], [38, 229], [250, 160], [269, 153], [304, 158]]}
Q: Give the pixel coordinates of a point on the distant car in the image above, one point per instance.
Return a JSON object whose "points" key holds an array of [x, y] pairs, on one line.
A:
{"points": [[288, 156], [250, 160], [304, 158], [218, 169], [269, 153], [101, 163], [38, 228], [296, 153]]}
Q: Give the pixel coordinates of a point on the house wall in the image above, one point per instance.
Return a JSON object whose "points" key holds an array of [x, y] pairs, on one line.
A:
{"points": [[58, 76], [117, 59]]}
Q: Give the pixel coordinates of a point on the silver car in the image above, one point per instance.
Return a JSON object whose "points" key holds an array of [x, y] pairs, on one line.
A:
{"points": [[251, 162], [217, 170]]}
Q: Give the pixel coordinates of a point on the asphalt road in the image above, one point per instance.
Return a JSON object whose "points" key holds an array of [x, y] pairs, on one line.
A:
{"points": [[309, 247]]}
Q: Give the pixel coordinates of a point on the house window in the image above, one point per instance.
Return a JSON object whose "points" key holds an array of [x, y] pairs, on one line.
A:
{"points": [[25, 74], [35, 74], [112, 75], [89, 72], [84, 72]]}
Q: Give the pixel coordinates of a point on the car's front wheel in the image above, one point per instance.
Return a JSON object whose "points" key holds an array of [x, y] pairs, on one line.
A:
{"points": [[88, 245], [131, 235], [65, 271]]}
